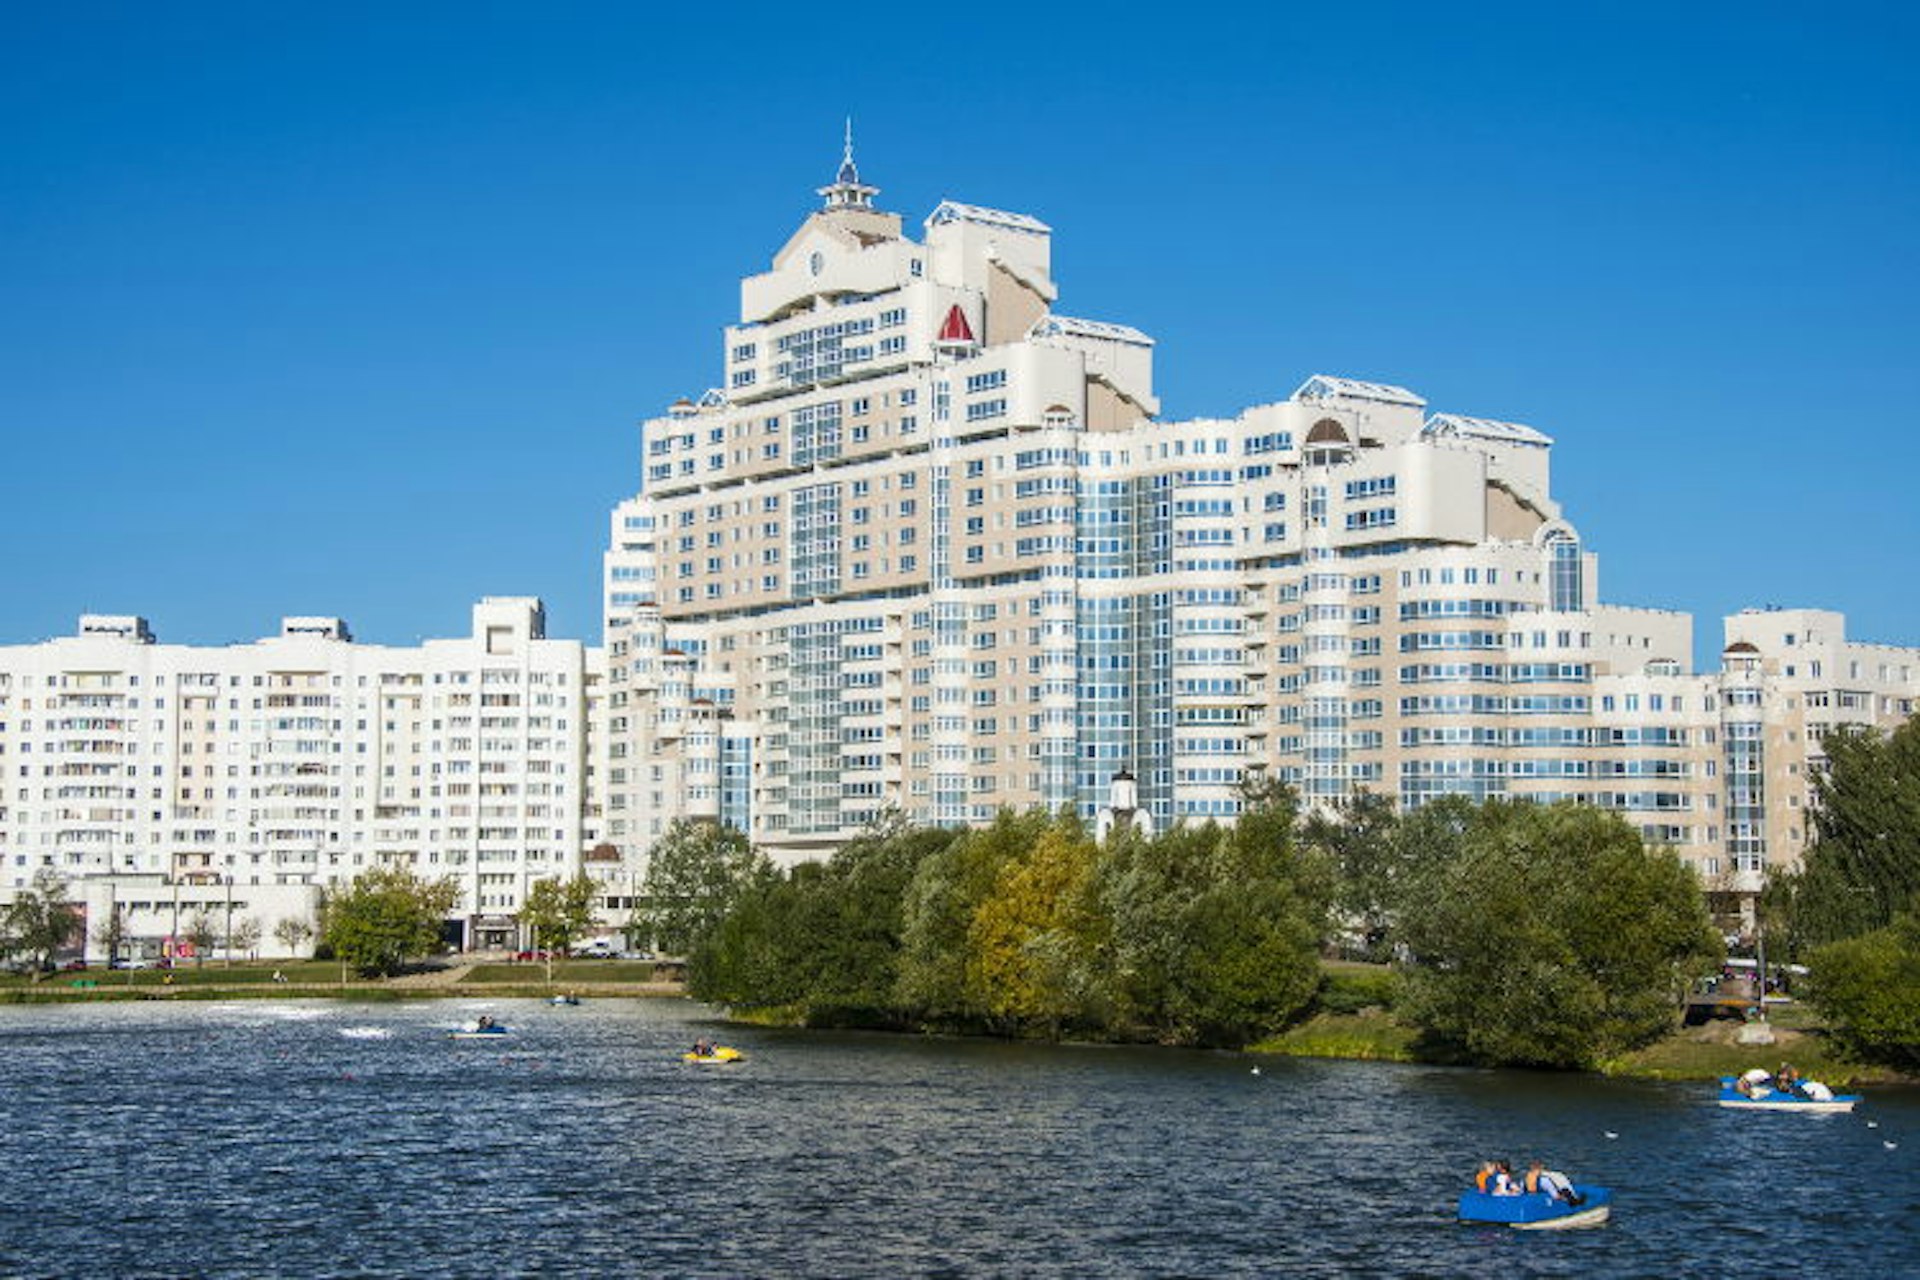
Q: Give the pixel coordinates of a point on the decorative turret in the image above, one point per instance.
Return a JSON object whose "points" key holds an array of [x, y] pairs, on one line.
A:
{"points": [[846, 191]]}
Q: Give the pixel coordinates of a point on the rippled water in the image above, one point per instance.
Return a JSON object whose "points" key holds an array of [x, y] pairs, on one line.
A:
{"points": [[317, 1139]]}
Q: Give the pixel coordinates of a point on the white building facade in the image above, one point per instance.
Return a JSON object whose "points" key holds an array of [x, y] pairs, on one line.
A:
{"points": [[165, 779]]}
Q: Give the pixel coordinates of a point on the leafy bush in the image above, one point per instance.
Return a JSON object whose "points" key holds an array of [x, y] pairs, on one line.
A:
{"points": [[1869, 990], [1351, 990]]}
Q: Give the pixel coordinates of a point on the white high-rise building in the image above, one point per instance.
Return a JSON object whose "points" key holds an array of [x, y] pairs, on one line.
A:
{"points": [[927, 548], [255, 775]]}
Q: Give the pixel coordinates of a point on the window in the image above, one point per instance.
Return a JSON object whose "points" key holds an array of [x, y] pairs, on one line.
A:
{"points": [[1566, 588]]}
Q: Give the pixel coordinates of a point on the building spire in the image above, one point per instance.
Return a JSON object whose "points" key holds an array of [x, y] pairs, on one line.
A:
{"points": [[846, 191]]}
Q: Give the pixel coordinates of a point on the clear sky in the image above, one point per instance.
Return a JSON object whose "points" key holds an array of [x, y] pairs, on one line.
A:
{"points": [[353, 309]]}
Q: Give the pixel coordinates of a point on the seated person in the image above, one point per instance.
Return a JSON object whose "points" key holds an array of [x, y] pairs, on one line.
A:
{"points": [[1504, 1183], [1554, 1185]]}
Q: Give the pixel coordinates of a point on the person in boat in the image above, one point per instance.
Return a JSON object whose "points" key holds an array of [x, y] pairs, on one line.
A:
{"points": [[1754, 1083], [483, 1023], [1504, 1183], [1483, 1177], [703, 1048], [1788, 1081], [1541, 1180]]}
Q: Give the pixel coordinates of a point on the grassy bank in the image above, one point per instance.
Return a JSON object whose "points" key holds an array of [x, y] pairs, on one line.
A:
{"points": [[315, 978], [1356, 1020]]}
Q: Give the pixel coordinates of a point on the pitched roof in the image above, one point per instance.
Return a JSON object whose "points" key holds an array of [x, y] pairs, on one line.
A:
{"points": [[1069, 326], [954, 211], [1461, 427], [1325, 387]]}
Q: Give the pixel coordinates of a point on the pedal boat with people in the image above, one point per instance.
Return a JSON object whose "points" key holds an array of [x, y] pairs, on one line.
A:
{"points": [[1765, 1097], [1536, 1210], [718, 1055], [478, 1029]]}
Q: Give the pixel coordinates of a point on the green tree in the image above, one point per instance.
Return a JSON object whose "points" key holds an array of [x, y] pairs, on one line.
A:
{"points": [[696, 872], [1211, 933], [1359, 842], [1554, 937], [385, 917], [860, 943], [937, 914], [822, 942], [1258, 925], [1148, 890], [40, 920], [756, 957], [558, 911], [1863, 867], [1028, 965], [1868, 989]]}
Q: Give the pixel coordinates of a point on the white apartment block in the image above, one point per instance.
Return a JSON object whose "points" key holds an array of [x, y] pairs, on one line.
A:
{"points": [[927, 549], [163, 779]]}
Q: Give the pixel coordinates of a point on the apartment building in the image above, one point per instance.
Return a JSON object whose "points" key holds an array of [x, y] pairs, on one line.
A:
{"points": [[927, 548], [163, 779]]}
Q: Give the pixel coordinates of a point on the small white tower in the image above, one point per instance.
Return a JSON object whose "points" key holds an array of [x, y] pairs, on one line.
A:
{"points": [[1122, 811], [846, 191]]}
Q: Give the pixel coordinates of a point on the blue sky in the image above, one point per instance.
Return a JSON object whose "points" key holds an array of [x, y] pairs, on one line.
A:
{"points": [[353, 309]]}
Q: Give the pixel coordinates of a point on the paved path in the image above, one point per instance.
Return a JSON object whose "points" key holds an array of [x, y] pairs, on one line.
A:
{"points": [[447, 977]]}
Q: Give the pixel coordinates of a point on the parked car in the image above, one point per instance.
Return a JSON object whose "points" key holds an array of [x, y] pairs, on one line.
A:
{"points": [[530, 955], [131, 962]]}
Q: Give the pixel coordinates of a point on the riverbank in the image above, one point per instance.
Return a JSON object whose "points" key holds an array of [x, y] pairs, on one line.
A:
{"points": [[312, 979], [1689, 1053]]}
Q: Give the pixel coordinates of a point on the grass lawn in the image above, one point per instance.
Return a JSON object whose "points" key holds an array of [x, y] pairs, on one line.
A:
{"points": [[311, 977], [1373, 1036], [187, 975]]}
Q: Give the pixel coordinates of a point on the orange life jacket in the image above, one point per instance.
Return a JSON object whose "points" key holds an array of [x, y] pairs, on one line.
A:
{"points": [[1480, 1179]]}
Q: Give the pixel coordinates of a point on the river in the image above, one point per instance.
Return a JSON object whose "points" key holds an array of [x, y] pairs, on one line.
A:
{"points": [[318, 1138]]}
